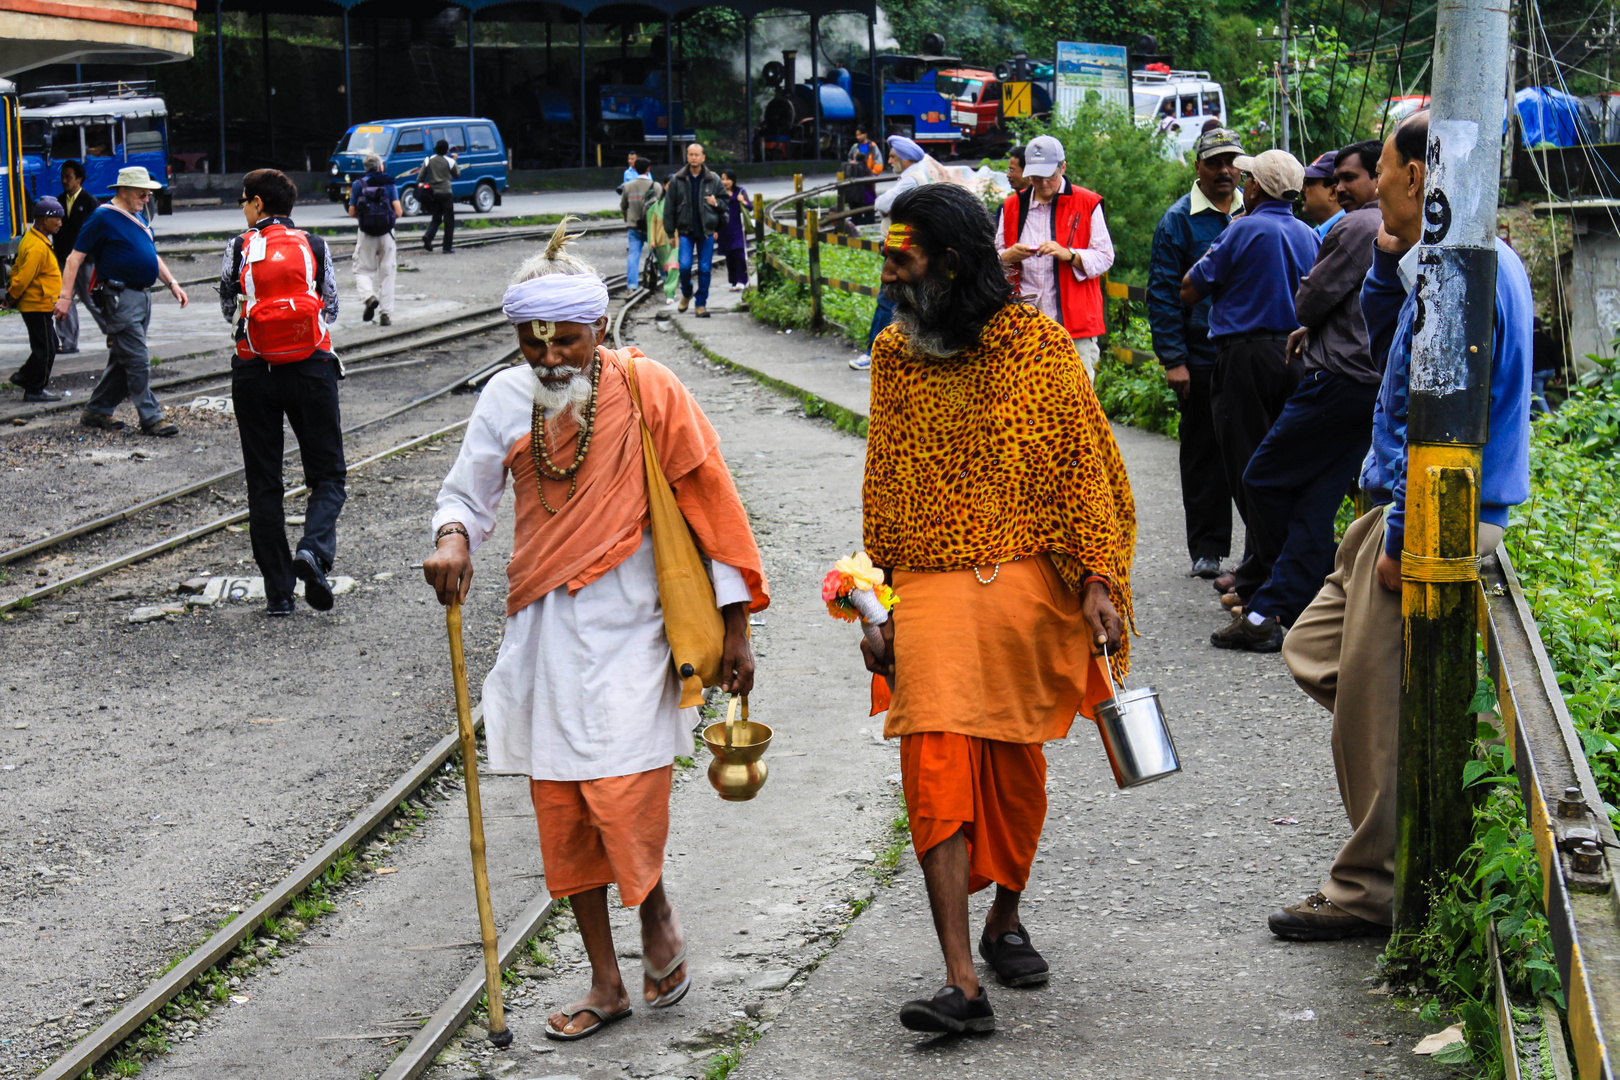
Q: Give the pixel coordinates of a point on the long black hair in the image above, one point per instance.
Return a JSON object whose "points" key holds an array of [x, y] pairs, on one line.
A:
{"points": [[954, 229]]}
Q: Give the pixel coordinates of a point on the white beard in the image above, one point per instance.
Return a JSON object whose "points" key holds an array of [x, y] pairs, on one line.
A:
{"points": [[568, 399]]}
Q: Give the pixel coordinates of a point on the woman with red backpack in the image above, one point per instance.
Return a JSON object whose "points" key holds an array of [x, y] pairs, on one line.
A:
{"points": [[278, 287]]}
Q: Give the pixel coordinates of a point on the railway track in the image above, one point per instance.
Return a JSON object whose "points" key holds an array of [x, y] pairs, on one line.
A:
{"points": [[472, 379], [454, 1011]]}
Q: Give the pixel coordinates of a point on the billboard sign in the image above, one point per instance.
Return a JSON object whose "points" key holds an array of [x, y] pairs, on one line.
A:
{"points": [[1084, 69]]}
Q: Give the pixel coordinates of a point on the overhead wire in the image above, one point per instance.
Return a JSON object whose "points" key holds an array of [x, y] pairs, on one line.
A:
{"points": [[1395, 71], [1367, 77], [1333, 74]]}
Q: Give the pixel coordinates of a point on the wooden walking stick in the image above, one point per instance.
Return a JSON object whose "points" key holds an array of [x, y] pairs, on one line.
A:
{"points": [[498, 1032]]}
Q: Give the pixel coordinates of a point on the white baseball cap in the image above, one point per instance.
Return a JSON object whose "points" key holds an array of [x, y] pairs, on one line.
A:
{"points": [[1042, 156], [1278, 173]]}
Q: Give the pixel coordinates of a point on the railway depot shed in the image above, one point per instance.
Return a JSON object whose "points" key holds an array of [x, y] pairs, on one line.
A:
{"points": [[275, 82]]}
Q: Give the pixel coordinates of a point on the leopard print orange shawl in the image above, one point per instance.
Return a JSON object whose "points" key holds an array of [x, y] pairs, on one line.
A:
{"points": [[997, 453]]}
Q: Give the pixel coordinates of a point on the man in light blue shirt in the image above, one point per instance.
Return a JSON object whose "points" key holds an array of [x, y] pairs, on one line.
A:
{"points": [[1346, 649], [630, 169], [1321, 209]]}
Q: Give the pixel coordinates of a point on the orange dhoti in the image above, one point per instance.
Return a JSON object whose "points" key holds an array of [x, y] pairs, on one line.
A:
{"points": [[985, 674], [604, 832]]}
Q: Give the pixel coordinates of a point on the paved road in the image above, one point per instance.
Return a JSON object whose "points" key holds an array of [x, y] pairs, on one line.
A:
{"points": [[513, 204]]}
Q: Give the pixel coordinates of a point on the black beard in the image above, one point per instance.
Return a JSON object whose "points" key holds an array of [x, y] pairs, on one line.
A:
{"points": [[922, 312]]}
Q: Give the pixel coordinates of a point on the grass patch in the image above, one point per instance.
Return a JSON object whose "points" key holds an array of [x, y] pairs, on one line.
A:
{"points": [[721, 1064], [786, 303]]}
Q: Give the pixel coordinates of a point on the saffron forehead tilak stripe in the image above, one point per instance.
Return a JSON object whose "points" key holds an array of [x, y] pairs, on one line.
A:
{"points": [[899, 237]]}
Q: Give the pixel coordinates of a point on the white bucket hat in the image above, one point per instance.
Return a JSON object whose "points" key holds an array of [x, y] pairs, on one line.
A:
{"points": [[136, 176]]}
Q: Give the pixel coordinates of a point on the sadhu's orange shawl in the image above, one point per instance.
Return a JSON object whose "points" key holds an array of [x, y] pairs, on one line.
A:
{"points": [[997, 453]]}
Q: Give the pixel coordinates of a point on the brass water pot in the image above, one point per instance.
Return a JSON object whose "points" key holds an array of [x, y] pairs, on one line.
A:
{"points": [[738, 770]]}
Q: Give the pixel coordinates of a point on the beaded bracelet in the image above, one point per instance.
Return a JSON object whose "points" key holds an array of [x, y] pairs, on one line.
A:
{"points": [[450, 528]]}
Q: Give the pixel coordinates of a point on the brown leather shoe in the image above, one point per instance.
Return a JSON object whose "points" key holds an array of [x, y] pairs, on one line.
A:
{"points": [[1316, 919], [685, 300], [1231, 601], [702, 312], [1225, 582]]}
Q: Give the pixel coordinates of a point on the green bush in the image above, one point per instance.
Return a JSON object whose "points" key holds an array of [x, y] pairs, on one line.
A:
{"points": [[1136, 394], [1564, 548]]}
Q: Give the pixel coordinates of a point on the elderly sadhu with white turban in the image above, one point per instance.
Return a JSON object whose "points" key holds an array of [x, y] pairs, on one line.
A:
{"points": [[583, 697]]}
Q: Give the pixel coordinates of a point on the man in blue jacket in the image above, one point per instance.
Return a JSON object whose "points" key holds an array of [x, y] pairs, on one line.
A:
{"points": [[1346, 649], [1181, 341], [1251, 274]]}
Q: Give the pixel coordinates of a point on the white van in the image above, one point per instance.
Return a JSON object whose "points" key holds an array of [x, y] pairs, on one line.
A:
{"points": [[1179, 102]]}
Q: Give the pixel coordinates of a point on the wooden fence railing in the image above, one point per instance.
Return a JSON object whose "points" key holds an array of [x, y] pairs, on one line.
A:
{"points": [[808, 226]]}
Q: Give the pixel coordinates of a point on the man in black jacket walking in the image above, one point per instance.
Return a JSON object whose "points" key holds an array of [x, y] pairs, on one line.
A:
{"points": [[692, 213], [77, 204]]}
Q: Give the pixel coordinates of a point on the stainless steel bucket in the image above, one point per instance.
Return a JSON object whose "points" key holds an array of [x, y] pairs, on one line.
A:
{"points": [[1135, 734]]}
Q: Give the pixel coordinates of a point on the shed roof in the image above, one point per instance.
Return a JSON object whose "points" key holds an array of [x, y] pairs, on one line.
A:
{"points": [[593, 10]]}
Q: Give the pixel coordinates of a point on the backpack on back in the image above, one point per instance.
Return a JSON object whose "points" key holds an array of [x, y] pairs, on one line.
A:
{"points": [[282, 312], [374, 210]]}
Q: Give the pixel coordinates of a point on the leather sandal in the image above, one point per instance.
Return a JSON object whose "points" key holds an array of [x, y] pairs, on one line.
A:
{"points": [[603, 1019], [665, 1000]]}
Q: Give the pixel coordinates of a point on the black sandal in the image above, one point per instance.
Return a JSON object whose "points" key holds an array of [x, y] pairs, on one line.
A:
{"points": [[949, 1010], [1014, 959]]}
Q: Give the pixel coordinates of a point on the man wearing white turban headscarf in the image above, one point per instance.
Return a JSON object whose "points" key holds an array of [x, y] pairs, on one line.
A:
{"points": [[583, 697]]}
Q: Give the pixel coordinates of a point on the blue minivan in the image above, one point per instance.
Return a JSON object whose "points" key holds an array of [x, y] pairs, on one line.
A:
{"points": [[404, 144]]}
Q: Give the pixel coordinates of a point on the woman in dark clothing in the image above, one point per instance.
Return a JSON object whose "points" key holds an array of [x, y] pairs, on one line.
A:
{"points": [[733, 231]]}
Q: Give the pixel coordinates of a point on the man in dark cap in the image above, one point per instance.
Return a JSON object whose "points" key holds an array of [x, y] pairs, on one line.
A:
{"points": [[1181, 341], [1321, 207], [35, 281]]}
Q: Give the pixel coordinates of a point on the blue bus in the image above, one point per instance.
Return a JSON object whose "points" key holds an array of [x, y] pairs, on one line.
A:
{"points": [[13, 197], [107, 126]]}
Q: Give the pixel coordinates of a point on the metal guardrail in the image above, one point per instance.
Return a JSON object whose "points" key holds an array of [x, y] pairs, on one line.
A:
{"points": [[1566, 815], [808, 227]]}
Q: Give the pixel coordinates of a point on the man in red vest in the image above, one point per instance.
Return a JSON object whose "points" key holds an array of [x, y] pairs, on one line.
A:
{"points": [[1055, 245], [278, 288]]}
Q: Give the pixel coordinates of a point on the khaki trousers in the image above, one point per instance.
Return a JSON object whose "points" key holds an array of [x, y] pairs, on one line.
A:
{"points": [[1345, 651], [375, 268]]}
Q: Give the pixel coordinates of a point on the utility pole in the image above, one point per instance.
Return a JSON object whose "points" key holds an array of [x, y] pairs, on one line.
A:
{"points": [[1286, 66], [1450, 394]]}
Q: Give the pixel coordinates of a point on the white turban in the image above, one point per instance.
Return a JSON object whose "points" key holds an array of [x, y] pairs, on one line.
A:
{"points": [[577, 298]]}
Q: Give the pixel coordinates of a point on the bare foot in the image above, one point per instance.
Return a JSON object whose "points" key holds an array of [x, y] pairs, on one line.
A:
{"points": [[609, 1001], [661, 940]]}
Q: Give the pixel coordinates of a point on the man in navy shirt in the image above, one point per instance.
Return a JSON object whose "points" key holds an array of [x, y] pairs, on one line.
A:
{"points": [[119, 242], [1181, 341], [1251, 274], [1346, 649]]}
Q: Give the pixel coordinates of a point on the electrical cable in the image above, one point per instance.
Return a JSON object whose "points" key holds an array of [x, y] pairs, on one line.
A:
{"points": [[1366, 78], [1395, 71], [1333, 75]]}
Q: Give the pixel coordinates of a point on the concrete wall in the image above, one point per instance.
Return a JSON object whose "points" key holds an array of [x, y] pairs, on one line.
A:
{"points": [[1594, 288]]}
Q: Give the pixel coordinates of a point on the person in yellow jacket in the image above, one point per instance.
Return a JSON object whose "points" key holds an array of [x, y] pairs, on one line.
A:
{"points": [[36, 279]]}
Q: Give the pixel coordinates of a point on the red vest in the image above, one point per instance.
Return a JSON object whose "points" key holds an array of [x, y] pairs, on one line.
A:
{"points": [[282, 311], [1080, 303]]}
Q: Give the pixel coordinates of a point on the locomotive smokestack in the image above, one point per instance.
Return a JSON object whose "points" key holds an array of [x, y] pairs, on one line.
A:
{"points": [[790, 64]]}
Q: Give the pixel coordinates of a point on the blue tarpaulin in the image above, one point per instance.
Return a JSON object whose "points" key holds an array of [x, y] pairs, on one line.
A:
{"points": [[1549, 117]]}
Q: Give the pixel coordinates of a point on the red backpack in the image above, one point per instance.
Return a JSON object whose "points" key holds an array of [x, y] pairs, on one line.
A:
{"points": [[282, 311]]}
